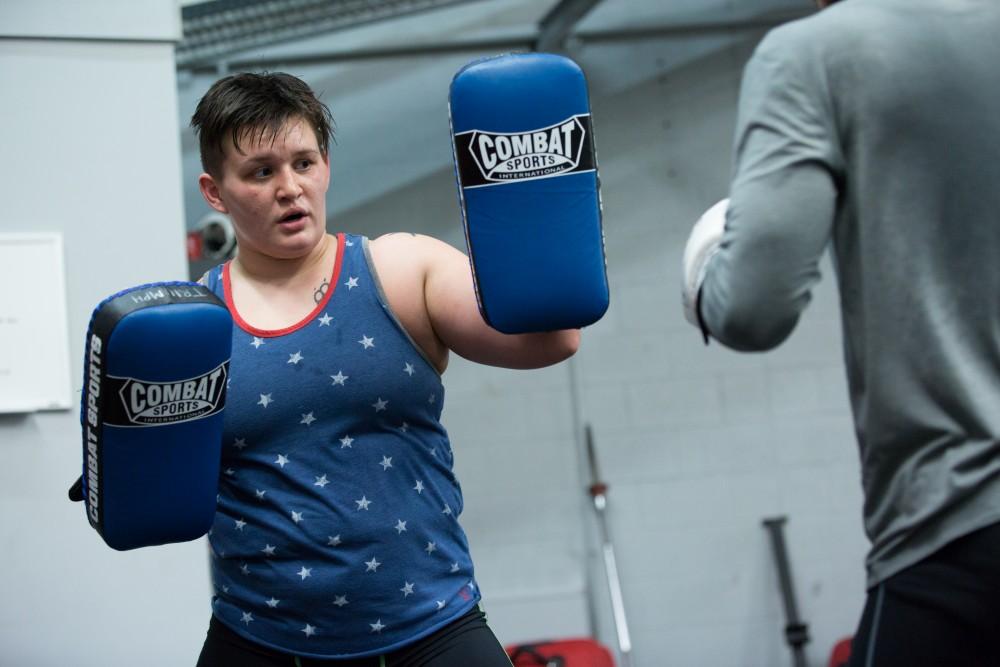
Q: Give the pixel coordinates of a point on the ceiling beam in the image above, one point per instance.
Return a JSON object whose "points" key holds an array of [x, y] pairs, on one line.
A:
{"points": [[692, 30], [555, 27]]}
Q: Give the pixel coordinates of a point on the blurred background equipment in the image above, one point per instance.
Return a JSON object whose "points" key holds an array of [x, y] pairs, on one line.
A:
{"points": [[796, 631], [598, 491], [214, 239], [211, 242]]}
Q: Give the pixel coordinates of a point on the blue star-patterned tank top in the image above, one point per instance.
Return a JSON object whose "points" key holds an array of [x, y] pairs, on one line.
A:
{"points": [[336, 533]]}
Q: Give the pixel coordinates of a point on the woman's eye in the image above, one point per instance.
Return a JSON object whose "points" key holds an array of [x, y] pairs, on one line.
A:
{"points": [[262, 172], [304, 164]]}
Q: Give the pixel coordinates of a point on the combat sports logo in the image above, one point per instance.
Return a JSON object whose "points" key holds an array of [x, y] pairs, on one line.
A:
{"points": [[146, 403], [490, 158]]}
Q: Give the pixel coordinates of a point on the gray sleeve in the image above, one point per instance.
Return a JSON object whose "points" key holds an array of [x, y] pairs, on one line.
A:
{"points": [[782, 201]]}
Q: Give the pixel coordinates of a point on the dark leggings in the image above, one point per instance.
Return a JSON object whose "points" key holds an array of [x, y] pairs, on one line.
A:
{"points": [[944, 611], [466, 642]]}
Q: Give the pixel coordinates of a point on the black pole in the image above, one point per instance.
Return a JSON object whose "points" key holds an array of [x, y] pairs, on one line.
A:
{"points": [[796, 631]]}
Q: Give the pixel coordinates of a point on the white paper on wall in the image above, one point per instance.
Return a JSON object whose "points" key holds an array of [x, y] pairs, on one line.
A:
{"points": [[34, 344]]}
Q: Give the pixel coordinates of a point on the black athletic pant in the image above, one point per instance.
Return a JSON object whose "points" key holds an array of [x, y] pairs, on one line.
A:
{"points": [[467, 642], [942, 612]]}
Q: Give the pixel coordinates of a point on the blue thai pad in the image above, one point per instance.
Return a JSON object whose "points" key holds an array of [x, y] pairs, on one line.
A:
{"points": [[156, 364], [528, 188]]}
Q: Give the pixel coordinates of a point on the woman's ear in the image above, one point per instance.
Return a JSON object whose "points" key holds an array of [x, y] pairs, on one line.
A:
{"points": [[210, 191]]}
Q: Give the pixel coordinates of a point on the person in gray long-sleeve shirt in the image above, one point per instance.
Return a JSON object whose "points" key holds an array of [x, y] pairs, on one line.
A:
{"points": [[873, 127]]}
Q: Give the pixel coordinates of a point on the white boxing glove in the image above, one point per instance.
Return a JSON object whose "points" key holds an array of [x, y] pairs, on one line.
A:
{"points": [[701, 246]]}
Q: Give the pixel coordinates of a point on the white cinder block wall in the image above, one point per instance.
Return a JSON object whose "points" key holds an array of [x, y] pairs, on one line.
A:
{"points": [[698, 444], [90, 150]]}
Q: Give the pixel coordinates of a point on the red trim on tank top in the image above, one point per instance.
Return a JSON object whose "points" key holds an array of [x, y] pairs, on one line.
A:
{"points": [[273, 333]]}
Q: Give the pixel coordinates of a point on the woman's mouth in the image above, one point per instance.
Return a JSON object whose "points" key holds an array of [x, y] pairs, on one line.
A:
{"points": [[294, 216]]}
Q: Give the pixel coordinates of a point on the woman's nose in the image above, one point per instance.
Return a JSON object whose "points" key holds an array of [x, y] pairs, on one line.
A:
{"points": [[288, 185]]}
